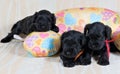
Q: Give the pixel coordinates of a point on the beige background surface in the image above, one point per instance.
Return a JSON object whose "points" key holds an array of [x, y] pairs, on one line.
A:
{"points": [[15, 60]]}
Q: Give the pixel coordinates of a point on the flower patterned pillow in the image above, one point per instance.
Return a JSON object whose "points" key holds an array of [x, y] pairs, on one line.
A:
{"points": [[41, 44], [77, 18]]}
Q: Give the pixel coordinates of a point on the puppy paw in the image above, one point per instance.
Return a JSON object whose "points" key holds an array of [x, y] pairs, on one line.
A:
{"points": [[77, 63], [69, 64], [85, 61], [103, 62]]}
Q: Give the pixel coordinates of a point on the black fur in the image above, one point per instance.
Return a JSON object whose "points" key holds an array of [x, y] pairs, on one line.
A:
{"points": [[41, 21], [72, 42], [96, 34]]}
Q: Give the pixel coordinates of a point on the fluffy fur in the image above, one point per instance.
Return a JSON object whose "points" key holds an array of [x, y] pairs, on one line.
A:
{"points": [[41, 21], [72, 42], [96, 34]]}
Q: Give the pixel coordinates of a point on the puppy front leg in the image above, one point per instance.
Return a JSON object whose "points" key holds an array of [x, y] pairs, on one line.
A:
{"points": [[67, 62], [85, 59], [103, 59]]}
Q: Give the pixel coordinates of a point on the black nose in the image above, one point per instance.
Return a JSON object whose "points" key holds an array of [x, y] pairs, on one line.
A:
{"points": [[68, 53], [93, 46]]}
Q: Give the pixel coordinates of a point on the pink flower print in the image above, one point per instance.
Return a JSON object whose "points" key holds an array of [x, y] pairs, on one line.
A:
{"points": [[62, 28], [107, 15], [36, 50], [60, 14], [44, 35]]}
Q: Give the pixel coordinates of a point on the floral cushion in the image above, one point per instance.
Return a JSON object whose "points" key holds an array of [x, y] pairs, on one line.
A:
{"points": [[42, 43], [77, 18]]}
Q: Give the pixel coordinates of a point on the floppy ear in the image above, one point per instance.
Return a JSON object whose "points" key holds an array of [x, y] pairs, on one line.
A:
{"points": [[83, 40], [35, 16], [86, 29], [108, 32], [54, 27], [64, 35], [53, 19]]}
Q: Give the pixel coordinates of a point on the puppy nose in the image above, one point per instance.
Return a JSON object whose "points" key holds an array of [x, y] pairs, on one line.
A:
{"points": [[93, 46], [68, 53]]}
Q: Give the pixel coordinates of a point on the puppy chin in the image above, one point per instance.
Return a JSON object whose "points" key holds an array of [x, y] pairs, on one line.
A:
{"points": [[68, 56]]}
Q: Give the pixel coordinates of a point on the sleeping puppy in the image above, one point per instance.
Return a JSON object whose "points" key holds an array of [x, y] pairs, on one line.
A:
{"points": [[41, 21], [72, 42], [96, 34]]}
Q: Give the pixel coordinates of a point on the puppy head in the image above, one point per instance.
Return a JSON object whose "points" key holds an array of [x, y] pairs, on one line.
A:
{"points": [[44, 21], [96, 34], [71, 47]]}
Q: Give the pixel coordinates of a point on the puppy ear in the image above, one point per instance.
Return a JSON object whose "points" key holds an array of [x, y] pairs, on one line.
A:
{"points": [[84, 40], [86, 29], [65, 34], [54, 27], [108, 32], [35, 15], [53, 19]]}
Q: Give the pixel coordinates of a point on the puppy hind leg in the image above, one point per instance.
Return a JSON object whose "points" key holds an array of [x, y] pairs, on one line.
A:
{"points": [[10, 36]]}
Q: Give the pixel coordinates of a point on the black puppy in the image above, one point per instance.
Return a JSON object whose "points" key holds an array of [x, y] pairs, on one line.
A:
{"points": [[72, 42], [41, 21], [96, 34]]}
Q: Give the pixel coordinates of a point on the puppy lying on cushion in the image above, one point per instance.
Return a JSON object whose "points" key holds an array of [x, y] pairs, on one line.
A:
{"points": [[72, 43], [41, 21], [96, 34]]}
